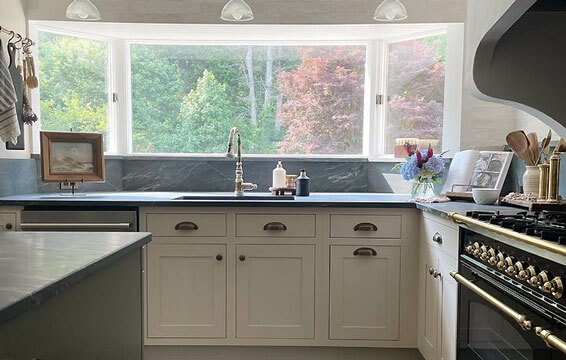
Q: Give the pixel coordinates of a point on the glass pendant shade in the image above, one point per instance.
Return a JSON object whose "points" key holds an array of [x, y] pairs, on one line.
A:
{"points": [[237, 10], [390, 10], [82, 10]]}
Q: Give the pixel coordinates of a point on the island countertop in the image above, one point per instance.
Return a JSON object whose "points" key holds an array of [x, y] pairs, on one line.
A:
{"points": [[37, 266]]}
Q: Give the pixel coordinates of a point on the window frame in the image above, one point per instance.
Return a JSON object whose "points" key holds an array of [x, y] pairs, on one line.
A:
{"points": [[120, 115]]}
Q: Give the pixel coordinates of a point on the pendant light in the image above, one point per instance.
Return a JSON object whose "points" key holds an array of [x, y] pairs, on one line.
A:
{"points": [[390, 10], [82, 10], [237, 10]]}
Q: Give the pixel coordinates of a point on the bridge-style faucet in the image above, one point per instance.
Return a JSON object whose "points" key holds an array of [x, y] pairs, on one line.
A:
{"points": [[241, 186]]}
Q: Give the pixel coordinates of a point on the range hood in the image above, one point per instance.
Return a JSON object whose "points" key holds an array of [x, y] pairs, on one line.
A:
{"points": [[521, 61]]}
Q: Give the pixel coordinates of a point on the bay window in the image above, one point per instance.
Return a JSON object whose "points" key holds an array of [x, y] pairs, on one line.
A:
{"points": [[344, 92]]}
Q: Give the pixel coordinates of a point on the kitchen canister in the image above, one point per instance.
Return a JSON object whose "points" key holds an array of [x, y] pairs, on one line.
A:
{"points": [[531, 180]]}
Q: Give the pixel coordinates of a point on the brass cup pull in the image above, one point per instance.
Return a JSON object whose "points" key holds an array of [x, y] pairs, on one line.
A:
{"points": [[551, 340], [364, 251], [437, 238], [365, 227], [275, 226], [186, 225], [242, 257], [521, 319]]}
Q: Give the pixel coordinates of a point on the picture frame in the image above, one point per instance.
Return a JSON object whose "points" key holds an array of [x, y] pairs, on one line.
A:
{"points": [[70, 157]]}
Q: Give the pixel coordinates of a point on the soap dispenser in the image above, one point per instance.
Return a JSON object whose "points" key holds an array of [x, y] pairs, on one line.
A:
{"points": [[303, 184], [279, 175]]}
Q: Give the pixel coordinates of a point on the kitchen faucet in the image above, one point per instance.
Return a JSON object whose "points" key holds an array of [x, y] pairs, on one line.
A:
{"points": [[241, 186]]}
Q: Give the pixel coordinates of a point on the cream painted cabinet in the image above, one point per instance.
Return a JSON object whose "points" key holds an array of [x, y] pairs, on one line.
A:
{"points": [[364, 292], [275, 291], [186, 291], [438, 292]]}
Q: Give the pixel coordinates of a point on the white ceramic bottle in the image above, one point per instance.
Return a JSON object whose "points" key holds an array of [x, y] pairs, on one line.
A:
{"points": [[279, 175]]}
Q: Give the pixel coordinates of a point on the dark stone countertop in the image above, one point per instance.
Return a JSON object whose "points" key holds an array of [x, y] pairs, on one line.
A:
{"points": [[37, 266], [461, 207], [369, 200]]}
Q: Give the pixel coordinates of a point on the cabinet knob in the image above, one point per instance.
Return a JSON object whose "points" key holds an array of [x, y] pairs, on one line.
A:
{"points": [[219, 257], [242, 257], [365, 251], [434, 273], [437, 238], [275, 226], [9, 226], [365, 227], [186, 225]]}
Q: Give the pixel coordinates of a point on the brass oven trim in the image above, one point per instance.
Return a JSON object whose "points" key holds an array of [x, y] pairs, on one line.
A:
{"points": [[521, 319], [551, 340], [543, 244]]}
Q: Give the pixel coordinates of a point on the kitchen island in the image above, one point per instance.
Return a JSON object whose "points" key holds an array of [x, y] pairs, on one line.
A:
{"points": [[71, 295]]}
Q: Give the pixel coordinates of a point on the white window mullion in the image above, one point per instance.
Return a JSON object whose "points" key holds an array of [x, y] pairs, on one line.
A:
{"points": [[122, 92], [369, 100], [381, 110]]}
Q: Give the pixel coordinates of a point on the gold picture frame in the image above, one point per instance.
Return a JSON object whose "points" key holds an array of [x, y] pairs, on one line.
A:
{"points": [[72, 157]]}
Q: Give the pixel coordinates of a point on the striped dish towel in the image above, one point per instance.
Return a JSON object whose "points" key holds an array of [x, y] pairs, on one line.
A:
{"points": [[9, 127]]}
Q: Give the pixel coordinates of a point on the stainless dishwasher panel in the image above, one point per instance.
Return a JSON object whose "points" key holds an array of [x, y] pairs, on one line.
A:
{"points": [[82, 220]]}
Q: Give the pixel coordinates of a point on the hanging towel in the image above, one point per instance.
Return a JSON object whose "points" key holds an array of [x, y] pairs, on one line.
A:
{"points": [[9, 127]]}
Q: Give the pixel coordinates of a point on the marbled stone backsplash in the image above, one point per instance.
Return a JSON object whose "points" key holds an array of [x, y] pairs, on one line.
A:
{"points": [[217, 174]]}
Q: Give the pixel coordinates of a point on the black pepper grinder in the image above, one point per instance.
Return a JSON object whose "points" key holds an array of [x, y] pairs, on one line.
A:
{"points": [[303, 184]]}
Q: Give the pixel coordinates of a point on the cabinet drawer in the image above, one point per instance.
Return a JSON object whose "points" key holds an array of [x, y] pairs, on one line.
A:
{"points": [[275, 225], [7, 222], [365, 226], [197, 225], [440, 237]]}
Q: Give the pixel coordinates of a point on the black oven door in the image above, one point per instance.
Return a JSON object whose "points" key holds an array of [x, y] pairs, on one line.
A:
{"points": [[488, 332]]}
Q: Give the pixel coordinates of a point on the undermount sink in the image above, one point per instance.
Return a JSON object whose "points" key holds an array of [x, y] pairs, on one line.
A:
{"points": [[266, 197]]}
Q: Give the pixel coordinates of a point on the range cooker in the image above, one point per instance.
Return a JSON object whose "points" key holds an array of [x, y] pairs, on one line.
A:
{"points": [[512, 303]]}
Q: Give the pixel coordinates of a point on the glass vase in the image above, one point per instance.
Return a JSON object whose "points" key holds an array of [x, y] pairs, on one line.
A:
{"points": [[422, 189]]}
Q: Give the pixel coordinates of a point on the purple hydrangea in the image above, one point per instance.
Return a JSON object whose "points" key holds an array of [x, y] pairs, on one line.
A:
{"points": [[435, 165], [410, 169]]}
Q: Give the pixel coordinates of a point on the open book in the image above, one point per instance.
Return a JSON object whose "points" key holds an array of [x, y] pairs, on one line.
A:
{"points": [[472, 169]]}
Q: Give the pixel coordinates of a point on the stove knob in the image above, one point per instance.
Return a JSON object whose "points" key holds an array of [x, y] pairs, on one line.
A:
{"points": [[533, 281], [558, 287], [540, 279], [484, 256], [517, 268], [496, 258], [469, 249], [510, 270], [501, 263], [526, 271]]}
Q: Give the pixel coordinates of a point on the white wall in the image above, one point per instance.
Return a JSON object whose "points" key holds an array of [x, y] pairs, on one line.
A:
{"points": [[266, 11], [12, 17], [486, 123]]}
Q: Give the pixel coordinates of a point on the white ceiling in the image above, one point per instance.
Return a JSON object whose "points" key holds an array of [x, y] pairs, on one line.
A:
{"points": [[266, 11]]}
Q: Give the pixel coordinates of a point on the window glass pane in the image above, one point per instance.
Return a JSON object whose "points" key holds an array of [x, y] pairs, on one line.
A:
{"points": [[284, 99], [73, 83], [415, 85]]}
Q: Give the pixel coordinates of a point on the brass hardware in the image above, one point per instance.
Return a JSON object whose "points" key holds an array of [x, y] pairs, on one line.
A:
{"points": [[430, 271], [488, 255], [554, 287], [434, 273], [365, 227], [364, 251], [242, 257], [509, 268], [527, 274], [554, 178], [275, 226], [186, 225], [484, 255], [521, 319], [219, 257], [533, 281], [240, 185], [551, 340], [543, 182], [469, 249], [437, 238], [547, 245]]}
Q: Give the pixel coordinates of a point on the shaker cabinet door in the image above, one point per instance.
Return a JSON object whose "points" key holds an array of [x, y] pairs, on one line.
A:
{"points": [[364, 292], [186, 291], [429, 298], [275, 291]]}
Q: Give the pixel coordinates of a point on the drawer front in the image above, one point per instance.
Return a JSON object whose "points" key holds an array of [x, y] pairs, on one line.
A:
{"points": [[7, 222], [440, 237], [192, 225], [365, 226], [275, 225]]}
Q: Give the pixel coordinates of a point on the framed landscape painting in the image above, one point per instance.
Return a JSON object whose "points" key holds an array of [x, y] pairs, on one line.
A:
{"points": [[72, 157]]}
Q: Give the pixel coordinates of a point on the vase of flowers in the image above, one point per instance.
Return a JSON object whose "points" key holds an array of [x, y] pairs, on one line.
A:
{"points": [[425, 169]]}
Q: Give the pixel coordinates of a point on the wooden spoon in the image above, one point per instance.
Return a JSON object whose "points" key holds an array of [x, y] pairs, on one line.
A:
{"points": [[545, 146], [560, 147], [534, 152], [519, 143]]}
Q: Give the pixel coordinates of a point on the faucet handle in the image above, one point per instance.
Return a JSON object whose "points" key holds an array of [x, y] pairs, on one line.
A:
{"points": [[248, 186]]}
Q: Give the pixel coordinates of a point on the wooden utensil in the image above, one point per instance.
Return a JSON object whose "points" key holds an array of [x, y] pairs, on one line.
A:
{"points": [[534, 152], [545, 146], [519, 143], [561, 146], [32, 81]]}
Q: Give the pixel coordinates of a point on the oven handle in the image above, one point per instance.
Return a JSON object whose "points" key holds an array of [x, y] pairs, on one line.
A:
{"points": [[75, 226], [551, 340], [521, 319]]}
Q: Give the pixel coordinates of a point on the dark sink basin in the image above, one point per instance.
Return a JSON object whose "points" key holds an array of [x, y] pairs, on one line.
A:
{"points": [[236, 198]]}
